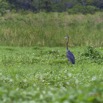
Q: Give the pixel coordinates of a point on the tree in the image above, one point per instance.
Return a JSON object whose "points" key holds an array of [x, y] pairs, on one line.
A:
{"points": [[45, 5], [49, 5], [98, 3], [4, 6]]}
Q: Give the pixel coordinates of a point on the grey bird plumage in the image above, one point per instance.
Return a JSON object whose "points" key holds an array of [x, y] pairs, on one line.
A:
{"points": [[69, 54]]}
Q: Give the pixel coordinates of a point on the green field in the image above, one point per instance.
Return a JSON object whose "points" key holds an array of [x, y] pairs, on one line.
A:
{"points": [[33, 63], [44, 75]]}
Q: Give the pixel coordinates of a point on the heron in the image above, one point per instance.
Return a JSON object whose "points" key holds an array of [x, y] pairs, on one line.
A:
{"points": [[69, 54]]}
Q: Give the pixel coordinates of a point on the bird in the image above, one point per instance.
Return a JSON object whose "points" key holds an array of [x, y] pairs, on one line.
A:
{"points": [[69, 54]]}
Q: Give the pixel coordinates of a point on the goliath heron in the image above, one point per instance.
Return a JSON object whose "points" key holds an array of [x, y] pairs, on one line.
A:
{"points": [[69, 54]]}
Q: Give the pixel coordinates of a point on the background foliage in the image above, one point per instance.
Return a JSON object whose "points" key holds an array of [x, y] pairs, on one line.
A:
{"points": [[52, 5], [43, 74]]}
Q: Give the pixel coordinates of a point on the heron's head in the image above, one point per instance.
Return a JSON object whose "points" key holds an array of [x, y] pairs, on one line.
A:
{"points": [[67, 37]]}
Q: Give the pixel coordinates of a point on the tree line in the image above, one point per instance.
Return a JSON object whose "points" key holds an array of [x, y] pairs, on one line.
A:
{"points": [[72, 6]]}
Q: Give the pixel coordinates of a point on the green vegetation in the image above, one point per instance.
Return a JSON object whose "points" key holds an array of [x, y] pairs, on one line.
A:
{"points": [[72, 6], [33, 63], [49, 29], [43, 75], [83, 9], [49, 5]]}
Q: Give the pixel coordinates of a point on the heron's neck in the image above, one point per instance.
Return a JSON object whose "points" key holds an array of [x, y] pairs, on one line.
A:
{"points": [[67, 44]]}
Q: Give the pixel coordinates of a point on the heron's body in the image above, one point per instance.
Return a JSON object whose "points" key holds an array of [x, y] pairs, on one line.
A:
{"points": [[70, 57], [69, 54]]}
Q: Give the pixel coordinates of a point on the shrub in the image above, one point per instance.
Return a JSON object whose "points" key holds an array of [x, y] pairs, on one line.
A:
{"points": [[82, 9], [4, 7], [93, 55]]}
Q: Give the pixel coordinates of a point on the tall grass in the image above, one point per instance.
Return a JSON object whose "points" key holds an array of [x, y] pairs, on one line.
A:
{"points": [[49, 29]]}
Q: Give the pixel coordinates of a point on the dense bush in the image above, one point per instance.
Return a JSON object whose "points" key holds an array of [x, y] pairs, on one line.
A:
{"points": [[82, 6], [4, 7], [94, 55], [82, 9]]}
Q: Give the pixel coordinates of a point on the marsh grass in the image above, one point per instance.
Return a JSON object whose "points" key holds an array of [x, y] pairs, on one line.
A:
{"points": [[49, 29]]}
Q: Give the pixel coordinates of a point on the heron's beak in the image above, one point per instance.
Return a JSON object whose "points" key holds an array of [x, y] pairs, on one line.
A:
{"points": [[66, 37]]}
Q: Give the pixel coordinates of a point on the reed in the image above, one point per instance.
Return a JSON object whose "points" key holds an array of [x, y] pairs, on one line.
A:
{"points": [[49, 29]]}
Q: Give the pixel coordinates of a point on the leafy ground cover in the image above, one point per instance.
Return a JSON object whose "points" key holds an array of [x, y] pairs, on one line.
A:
{"points": [[43, 75]]}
